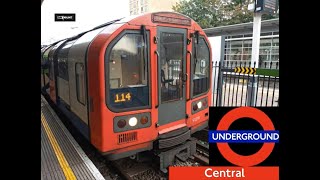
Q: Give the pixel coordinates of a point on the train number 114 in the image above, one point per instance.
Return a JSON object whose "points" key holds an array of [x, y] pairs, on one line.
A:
{"points": [[122, 97]]}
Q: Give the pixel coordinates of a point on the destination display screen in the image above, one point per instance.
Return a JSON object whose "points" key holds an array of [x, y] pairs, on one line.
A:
{"points": [[266, 6]]}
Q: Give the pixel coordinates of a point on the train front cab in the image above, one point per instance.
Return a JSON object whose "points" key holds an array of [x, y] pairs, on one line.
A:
{"points": [[154, 72]]}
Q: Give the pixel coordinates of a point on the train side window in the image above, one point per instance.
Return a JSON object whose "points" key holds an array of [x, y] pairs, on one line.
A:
{"points": [[80, 83]]}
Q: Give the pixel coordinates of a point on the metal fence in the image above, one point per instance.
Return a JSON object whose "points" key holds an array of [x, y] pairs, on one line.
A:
{"points": [[237, 83]]}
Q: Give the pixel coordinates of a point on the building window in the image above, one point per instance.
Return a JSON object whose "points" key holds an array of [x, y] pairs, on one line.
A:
{"points": [[237, 36], [266, 34], [240, 49], [80, 83]]}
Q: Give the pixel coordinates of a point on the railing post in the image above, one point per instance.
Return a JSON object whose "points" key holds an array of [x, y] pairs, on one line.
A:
{"points": [[252, 86], [219, 81], [252, 90], [219, 86]]}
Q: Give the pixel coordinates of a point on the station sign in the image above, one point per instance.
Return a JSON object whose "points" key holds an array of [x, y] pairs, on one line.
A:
{"points": [[266, 6]]}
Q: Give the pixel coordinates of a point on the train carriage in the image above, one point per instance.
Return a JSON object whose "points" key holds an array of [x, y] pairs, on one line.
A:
{"points": [[134, 84]]}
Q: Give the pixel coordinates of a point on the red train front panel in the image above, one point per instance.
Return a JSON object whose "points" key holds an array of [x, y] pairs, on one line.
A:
{"points": [[147, 77]]}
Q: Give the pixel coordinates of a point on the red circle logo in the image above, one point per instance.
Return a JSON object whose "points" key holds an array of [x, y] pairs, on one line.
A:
{"points": [[245, 112]]}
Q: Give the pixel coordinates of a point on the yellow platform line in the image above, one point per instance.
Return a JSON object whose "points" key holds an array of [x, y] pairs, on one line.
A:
{"points": [[68, 173]]}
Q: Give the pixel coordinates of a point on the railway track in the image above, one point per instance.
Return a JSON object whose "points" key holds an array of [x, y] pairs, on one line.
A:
{"points": [[202, 154], [131, 170], [202, 149]]}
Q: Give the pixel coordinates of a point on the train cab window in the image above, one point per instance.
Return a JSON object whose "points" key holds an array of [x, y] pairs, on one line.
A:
{"points": [[128, 75], [201, 67], [80, 83]]}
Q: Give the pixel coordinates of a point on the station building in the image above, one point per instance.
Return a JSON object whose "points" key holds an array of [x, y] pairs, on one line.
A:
{"points": [[234, 42]]}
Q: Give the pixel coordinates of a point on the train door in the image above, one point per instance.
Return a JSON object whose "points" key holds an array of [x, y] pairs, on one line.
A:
{"points": [[45, 68], [77, 81], [53, 71], [171, 47], [52, 86]]}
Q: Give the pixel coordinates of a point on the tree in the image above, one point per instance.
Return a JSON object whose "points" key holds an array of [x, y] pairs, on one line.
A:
{"points": [[213, 13], [202, 11]]}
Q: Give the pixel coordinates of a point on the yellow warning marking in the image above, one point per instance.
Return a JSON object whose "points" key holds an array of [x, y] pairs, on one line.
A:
{"points": [[68, 173], [245, 70]]}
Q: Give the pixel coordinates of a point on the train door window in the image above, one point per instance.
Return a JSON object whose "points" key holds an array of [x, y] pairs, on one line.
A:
{"points": [[51, 67], [128, 77], [200, 67], [80, 83], [63, 68], [171, 66]]}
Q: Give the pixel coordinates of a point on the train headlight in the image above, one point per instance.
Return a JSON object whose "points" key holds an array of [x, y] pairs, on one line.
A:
{"points": [[199, 104], [133, 121]]}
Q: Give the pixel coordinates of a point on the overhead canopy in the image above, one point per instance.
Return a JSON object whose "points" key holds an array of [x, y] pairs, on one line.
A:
{"points": [[244, 28]]}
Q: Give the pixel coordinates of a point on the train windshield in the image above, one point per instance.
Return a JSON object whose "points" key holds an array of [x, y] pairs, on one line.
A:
{"points": [[201, 67], [128, 75]]}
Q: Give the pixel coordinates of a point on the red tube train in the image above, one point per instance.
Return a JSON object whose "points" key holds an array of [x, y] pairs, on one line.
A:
{"points": [[134, 84]]}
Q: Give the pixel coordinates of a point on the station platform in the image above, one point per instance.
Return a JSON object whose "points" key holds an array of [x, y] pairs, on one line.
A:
{"points": [[61, 156]]}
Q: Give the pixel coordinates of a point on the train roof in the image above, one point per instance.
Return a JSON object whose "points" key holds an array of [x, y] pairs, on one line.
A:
{"points": [[152, 18]]}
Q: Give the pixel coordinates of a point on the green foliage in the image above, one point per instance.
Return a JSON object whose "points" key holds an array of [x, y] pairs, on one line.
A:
{"points": [[213, 13]]}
